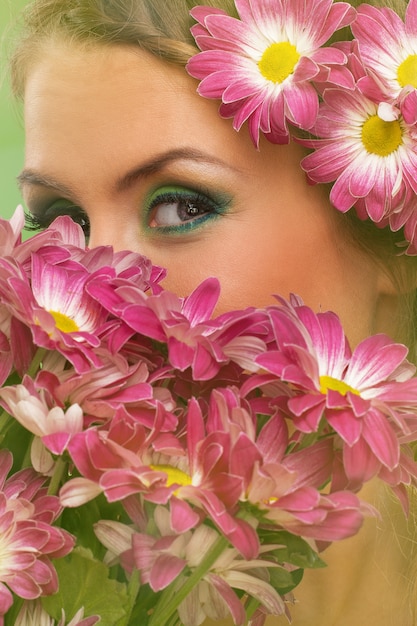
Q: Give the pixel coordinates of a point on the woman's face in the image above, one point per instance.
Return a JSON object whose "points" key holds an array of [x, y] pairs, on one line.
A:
{"points": [[121, 138]]}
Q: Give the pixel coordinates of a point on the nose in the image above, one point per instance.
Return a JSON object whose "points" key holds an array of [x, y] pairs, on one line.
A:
{"points": [[114, 227]]}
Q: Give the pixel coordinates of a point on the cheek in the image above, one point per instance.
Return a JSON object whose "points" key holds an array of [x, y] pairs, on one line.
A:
{"points": [[251, 263], [255, 263]]}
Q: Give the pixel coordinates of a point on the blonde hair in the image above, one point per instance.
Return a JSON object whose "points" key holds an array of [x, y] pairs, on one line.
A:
{"points": [[160, 27]]}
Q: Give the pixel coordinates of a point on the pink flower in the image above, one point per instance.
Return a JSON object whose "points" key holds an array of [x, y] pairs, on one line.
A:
{"points": [[11, 232], [367, 150], [194, 338], [388, 45], [31, 410], [55, 306], [161, 558], [129, 459], [102, 390], [262, 66], [364, 396], [283, 486], [27, 539], [32, 614], [121, 451], [308, 513], [64, 240], [44, 287]]}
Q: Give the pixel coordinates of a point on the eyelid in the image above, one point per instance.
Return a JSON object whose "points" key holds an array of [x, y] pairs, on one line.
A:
{"points": [[42, 215], [218, 202]]}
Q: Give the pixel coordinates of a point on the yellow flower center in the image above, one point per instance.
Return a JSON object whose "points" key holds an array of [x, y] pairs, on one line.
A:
{"points": [[175, 476], [380, 137], [329, 383], [278, 61], [64, 323], [407, 71]]}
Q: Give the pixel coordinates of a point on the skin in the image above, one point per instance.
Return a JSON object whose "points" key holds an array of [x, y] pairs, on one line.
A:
{"points": [[108, 127], [95, 116]]}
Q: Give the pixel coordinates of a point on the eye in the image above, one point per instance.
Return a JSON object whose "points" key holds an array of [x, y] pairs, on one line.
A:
{"points": [[175, 208], [44, 216]]}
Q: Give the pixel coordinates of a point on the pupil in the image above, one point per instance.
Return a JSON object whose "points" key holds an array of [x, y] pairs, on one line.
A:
{"points": [[191, 209]]}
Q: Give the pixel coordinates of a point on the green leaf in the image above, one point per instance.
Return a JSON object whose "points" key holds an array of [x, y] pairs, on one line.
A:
{"points": [[295, 550], [80, 522], [11, 615], [284, 581], [84, 582], [145, 601], [17, 439]]}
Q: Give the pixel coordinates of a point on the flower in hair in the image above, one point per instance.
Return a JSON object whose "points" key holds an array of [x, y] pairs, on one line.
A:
{"points": [[262, 66], [388, 45], [367, 150], [357, 99]]}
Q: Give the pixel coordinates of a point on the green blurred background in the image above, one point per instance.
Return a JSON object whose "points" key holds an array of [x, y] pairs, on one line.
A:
{"points": [[11, 127]]}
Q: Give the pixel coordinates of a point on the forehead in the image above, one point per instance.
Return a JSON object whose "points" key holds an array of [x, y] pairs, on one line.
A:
{"points": [[100, 94], [91, 115]]}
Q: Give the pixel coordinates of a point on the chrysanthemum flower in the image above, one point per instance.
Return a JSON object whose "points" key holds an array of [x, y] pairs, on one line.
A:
{"points": [[27, 539], [33, 614], [163, 557], [44, 287], [363, 395], [53, 303], [262, 65], [11, 232], [388, 45], [129, 459], [31, 410], [102, 390], [407, 219], [194, 338], [284, 488], [367, 150], [123, 450]]}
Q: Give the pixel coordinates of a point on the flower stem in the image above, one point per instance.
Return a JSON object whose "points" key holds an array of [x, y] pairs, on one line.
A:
{"points": [[162, 613], [27, 458], [36, 362], [6, 421], [57, 476]]}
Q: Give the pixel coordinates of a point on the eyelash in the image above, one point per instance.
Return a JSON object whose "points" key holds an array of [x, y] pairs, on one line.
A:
{"points": [[35, 222]]}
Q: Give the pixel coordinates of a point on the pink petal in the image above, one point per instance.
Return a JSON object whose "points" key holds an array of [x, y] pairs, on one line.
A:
{"points": [[374, 360], [236, 609], [6, 600], [411, 18], [359, 463], [272, 441], [183, 517], [302, 105], [165, 569], [379, 435], [78, 491], [345, 424], [258, 588], [23, 585]]}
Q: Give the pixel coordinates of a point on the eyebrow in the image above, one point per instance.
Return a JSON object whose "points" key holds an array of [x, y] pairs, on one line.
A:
{"points": [[158, 163]]}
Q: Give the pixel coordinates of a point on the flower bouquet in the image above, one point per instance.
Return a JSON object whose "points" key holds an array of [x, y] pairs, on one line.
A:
{"points": [[160, 463]]}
